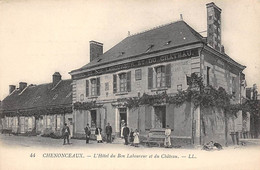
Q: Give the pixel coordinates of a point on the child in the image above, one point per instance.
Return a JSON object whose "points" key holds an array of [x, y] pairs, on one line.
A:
{"points": [[136, 138], [131, 137]]}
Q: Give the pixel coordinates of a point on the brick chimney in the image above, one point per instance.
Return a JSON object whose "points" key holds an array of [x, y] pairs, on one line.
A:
{"points": [[96, 49], [22, 85], [214, 26], [56, 77], [11, 88]]}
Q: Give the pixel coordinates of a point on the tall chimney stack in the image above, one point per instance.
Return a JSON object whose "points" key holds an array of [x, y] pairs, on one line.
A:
{"points": [[11, 88], [56, 77], [22, 85], [96, 49], [214, 26]]}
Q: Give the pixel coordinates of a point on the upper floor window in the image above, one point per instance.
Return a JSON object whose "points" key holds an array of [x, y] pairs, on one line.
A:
{"points": [[122, 82], [160, 76], [94, 88], [138, 74], [208, 72]]}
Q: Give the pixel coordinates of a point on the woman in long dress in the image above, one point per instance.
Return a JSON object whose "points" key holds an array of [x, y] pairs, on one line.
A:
{"points": [[136, 138], [98, 135], [122, 128]]}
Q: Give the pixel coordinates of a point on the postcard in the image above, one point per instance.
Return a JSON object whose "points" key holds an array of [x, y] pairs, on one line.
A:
{"points": [[129, 84]]}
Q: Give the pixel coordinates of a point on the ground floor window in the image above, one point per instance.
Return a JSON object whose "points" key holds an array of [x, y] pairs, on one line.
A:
{"points": [[48, 123], [58, 122], [30, 123]]}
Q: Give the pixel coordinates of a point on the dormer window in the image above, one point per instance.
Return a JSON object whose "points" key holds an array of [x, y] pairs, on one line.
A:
{"points": [[169, 42], [149, 49]]}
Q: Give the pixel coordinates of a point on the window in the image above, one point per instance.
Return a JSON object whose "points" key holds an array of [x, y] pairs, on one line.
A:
{"points": [[188, 79], [138, 74], [58, 123], [179, 87], [233, 86], [94, 87], [208, 68], [122, 82], [93, 91], [160, 76], [48, 122], [106, 86]]}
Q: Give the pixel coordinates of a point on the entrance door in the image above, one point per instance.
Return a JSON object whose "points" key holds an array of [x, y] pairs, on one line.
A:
{"points": [[123, 115], [159, 117], [93, 114]]}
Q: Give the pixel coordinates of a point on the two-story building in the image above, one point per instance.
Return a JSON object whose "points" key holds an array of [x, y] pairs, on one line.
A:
{"points": [[158, 60]]}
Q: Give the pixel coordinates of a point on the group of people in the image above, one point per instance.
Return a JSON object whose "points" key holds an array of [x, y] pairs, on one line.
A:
{"points": [[128, 135], [98, 131], [133, 136]]}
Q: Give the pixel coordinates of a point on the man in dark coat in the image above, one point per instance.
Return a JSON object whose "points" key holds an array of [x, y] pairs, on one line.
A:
{"points": [[87, 132], [126, 134], [109, 133], [65, 133]]}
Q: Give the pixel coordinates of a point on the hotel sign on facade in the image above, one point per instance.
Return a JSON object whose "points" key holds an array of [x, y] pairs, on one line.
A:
{"points": [[140, 63]]}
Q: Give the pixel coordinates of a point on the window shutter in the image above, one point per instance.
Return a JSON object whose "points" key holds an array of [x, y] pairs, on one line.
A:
{"points": [[168, 75], [114, 83], [87, 88], [98, 86], [148, 117], [150, 78], [128, 81]]}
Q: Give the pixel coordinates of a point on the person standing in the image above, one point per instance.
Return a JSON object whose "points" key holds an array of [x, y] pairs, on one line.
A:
{"points": [[87, 132], [136, 138], [109, 133], [98, 135], [167, 141], [65, 134], [122, 128], [131, 137], [126, 134]]}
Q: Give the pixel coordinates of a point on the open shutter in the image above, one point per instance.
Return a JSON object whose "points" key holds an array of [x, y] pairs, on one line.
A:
{"points": [[98, 86], [150, 78], [87, 88], [148, 117], [168, 75], [114, 83], [128, 81]]}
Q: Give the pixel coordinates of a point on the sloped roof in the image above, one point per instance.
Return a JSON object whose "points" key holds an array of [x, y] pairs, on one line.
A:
{"points": [[39, 96], [167, 36]]}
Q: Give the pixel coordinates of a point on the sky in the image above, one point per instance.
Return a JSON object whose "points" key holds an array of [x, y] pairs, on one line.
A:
{"points": [[38, 38]]}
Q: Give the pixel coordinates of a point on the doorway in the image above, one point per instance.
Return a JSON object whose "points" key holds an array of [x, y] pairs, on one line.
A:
{"points": [[159, 117], [93, 115], [123, 115]]}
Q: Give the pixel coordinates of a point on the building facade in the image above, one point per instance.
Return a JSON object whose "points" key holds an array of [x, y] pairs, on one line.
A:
{"points": [[160, 60], [41, 109]]}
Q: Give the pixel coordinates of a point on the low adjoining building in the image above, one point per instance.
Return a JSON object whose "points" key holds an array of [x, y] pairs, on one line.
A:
{"points": [[42, 109]]}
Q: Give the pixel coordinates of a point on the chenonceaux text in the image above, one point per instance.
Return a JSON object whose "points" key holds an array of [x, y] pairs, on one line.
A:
{"points": [[62, 155]]}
